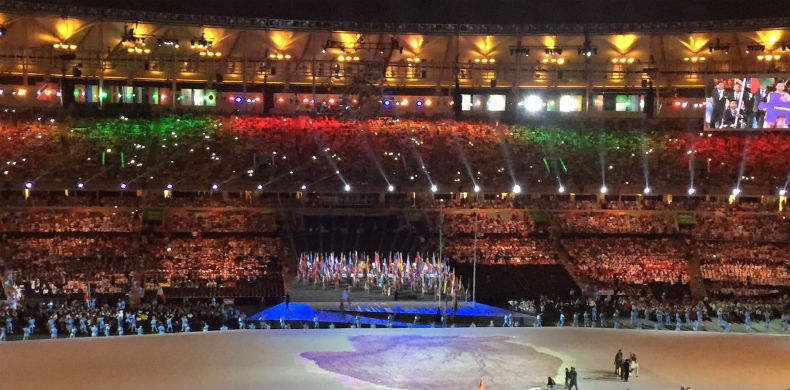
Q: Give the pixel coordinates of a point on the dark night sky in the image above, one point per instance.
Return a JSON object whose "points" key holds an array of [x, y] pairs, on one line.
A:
{"points": [[464, 11]]}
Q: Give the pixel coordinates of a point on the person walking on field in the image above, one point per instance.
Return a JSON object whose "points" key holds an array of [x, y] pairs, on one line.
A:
{"points": [[626, 370], [618, 361], [572, 383]]}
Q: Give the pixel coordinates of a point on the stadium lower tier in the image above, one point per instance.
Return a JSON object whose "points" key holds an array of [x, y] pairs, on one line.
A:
{"points": [[413, 359]]}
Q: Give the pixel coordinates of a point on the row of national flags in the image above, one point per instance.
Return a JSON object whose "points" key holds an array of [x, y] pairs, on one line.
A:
{"points": [[395, 265]]}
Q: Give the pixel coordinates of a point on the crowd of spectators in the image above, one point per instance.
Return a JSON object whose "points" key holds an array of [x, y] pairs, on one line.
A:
{"points": [[322, 154], [287, 153], [211, 262], [618, 223], [106, 250], [67, 265], [111, 264], [95, 257], [742, 227], [44, 220], [465, 224], [243, 221], [623, 263], [502, 238], [499, 250], [736, 266], [754, 274]]}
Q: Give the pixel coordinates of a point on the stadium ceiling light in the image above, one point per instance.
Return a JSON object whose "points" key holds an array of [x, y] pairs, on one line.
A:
{"points": [[215, 187], [347, 188], [390, 188], [260, 187], [561, 190], [516, 189], [783, 192], [28, 185], [80, 185], [736, 191], [646, 190], [484, 60], [304, 187], [123, 186], [64, 46], [280, 56], [434, 188], [691, 191], [169, 186], [477, 188], [604, 189]]}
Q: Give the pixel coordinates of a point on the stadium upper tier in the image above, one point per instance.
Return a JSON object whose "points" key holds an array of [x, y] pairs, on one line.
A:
{"points": [[239, 153], [375, 47]]}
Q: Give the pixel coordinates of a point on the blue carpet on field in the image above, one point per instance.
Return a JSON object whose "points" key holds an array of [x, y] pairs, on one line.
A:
{"points": [[304, 312]]}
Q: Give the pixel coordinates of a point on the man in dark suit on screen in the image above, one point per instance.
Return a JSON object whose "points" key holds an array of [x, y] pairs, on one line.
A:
{"points": [[745, 98], [720, 97], [732, 116], [760, 96]]}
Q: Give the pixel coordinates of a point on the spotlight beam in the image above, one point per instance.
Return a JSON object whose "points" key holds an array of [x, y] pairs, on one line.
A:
{"points": [[602, 161], [645, 163], [329, 159], [557, 173], [194, 175], [233, 176], [787, 181], [278, 177], [374, 158], [101, 172], [460, 150], [49, 170], [742, 163], [691, 172], [325, 177], [506, 155], [150, 171], [422, 166]]}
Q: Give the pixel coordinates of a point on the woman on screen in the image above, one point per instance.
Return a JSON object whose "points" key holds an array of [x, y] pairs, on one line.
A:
{"points": [[779, 95]]}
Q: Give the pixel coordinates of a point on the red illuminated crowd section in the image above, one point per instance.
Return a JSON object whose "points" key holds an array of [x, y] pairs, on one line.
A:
{"points": [[757, 159]]}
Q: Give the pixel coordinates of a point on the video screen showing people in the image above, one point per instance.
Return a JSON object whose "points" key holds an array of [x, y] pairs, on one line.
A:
{"points": [[747, 103]]}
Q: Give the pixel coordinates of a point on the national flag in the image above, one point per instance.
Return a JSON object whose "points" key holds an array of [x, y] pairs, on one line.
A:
{"points": [[754, 84], [161, 294]]}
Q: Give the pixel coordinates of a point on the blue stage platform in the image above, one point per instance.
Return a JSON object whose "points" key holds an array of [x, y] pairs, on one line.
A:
{"points": [[371, 312]]}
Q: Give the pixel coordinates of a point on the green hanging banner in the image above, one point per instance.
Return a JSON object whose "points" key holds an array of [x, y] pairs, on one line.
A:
{"points": [[686, 219]]}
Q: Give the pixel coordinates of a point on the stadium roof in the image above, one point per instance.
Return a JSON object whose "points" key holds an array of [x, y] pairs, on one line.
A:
{"points": [[459, 11]]}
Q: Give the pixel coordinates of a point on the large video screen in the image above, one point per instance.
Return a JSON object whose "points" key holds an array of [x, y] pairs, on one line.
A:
{"points": [[747, 103]]}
